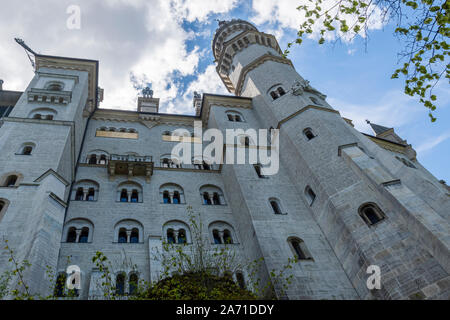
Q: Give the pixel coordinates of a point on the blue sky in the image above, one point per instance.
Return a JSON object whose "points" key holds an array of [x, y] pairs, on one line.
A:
{"points": [[168, 43]]}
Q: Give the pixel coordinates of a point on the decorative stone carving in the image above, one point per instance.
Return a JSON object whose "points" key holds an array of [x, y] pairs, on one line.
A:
{"points": [[300, 86]]}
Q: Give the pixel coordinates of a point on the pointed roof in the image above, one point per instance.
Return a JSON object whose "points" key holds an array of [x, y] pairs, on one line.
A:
{"points": [[377, 129]]}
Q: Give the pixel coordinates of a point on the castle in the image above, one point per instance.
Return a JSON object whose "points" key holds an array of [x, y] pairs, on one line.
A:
{"points": [[76, 179]]}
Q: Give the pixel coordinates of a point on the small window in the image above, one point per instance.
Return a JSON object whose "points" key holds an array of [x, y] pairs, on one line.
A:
{"points": [[230, 117], [124, 195], [134, 237], [11, 181], [84, 235], [176, 197], [27, 150], [49, 117], [72, 235], [122, 236], [315, 101], [240, 280], [371, 213], [60, 285], [54, 87], [134, 196], [227, 237], [206, 198], [181, 236], [79, 196], [281, 91], [275, 207], [274, 95], [300, 250], [133, 284], [92, 159], [37, 116], [120, 284], [216, 198], [102, 159], [166, 197], [170, 236], [310, 195], [91, 195], [216, 237], [308, 134]]}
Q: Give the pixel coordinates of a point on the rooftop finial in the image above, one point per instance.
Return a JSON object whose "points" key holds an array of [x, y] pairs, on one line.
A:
{"points": [[147, 92], [368, 121]]}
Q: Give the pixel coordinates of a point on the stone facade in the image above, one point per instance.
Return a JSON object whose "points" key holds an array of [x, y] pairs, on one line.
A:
{"points": [[329, 175]]}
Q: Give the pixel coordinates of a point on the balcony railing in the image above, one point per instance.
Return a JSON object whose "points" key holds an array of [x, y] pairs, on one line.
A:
{"points": [[131, 165]]}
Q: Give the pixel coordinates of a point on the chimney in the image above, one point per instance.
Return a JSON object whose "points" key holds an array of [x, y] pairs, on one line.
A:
{"points": [[197, 102], [1, 85]]}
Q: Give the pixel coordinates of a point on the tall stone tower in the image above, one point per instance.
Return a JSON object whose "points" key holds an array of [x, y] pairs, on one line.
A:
{"points": [[40, 141], [355, 201]]}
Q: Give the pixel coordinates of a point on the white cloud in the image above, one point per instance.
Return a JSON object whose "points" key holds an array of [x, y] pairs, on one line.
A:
{"points": [[285, 13], [144, 38], [393, 109]]}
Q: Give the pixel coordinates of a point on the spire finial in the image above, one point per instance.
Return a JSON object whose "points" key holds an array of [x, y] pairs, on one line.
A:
{"points": [[368, 121]]}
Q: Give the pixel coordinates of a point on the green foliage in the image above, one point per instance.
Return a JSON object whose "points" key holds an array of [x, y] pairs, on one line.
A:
{"points": [[424, 31], [198, 286], [194, 271]]}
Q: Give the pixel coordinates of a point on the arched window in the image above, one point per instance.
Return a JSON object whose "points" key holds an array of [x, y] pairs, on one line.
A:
{"points": [[315, 101], [11, 181], [3, 206], [216, 237], [134, 237], [234, 116], [275, 206], [42, 113], [212, 195], [177, 232], [122, 235], [91, 195], [310, 195], [222, 233], [60, 285], [120, 284], [274, 95], [27, 150], [134, 196], [128, 231], [133, 284], [206, 166], [72, 235], [240, 279], [78, 230], [124, 195], [301, 252], [406, 162], [206, 199], [182, 236], [230, 117], [281, 91], [166, 197], [102, 159], [170, 236], [93, 159], [176, 197], [54, 86], [371, 213], [37, 116], [216, 199], [227, 237], [84, 235], [85, 190], [308, 133]]}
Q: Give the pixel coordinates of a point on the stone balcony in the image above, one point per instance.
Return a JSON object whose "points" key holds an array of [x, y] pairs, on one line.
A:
{"points": [[130, 165], [49, 96]]}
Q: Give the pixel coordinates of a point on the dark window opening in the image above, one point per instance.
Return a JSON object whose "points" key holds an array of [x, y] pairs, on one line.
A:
{"points": [[84, 236], [216, 237], [122, 236], [72, 235], [124, 195], [134, 237]]}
